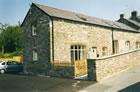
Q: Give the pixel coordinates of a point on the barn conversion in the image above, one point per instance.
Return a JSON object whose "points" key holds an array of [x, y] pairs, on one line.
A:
{"points": [[59, 42]]}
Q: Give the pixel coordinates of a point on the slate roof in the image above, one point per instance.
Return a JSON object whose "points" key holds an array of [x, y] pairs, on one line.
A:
{"points": [[54, 12], [134, 22], [138, 18]]}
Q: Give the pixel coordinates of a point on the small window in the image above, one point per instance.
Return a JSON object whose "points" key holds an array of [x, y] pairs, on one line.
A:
{"points": [[34, 32], [127, 44], [116, 46], [77, 52], [104, 51], [137, 45], [35, 55]]}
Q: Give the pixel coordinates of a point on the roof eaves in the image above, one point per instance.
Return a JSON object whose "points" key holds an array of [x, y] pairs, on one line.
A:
{"points": [[87, 22], [110, 27]]}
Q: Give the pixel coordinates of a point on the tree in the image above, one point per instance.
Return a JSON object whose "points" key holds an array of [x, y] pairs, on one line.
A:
{"points": [[2, 28], [11, 39]]}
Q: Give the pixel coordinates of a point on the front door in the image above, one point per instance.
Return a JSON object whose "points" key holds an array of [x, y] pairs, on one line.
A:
{"points": [[80, 68], [78, 58]]}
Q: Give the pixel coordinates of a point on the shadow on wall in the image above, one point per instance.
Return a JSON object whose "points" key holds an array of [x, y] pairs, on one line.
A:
{"points": [[132, 88]]}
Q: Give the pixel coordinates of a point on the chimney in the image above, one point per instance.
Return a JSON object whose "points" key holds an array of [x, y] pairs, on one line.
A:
{"points": [[133, 14], [121, 16]]}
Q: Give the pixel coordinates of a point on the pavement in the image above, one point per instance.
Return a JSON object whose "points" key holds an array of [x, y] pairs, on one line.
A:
{"points": [[126, 81]]}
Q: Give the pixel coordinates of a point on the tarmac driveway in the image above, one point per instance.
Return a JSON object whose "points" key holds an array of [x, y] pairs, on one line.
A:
{"points": [[127, 81], [22, 83]]}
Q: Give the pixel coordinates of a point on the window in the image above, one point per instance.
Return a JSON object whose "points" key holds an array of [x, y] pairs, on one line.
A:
{"points": [[3, 63], [137, 45], [12, 63], [34, 30], [104, 51], [35, 55], [77, 52], [116, 46], [127, 44]]}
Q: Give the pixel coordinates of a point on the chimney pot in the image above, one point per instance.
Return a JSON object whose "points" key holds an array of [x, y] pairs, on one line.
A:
{"points": [[134, 14], [121, 16]]}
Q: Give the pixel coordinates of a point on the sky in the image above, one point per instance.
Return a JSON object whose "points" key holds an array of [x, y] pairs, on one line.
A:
{"points": [[14, 11]]}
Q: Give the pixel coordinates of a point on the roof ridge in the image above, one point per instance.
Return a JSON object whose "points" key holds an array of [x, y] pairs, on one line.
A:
{"points": [[70, 15], [45, 5]]}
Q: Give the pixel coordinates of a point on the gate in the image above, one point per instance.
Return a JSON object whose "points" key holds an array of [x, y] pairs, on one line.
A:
{"points": [[80, 68]]}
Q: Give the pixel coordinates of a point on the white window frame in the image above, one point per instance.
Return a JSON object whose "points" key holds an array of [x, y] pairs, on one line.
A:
{"points": [[77, 52], [127, 44], [34, 30], [35, 55]]}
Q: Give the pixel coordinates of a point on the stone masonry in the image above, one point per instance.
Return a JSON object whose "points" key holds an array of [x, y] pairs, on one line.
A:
{"points": [[57, 30], [41, 42], [66, 33], [102, 68]]}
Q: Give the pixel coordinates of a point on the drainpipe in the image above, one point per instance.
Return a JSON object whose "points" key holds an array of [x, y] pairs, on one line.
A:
{"points": [[52, 41], [113, 47]]}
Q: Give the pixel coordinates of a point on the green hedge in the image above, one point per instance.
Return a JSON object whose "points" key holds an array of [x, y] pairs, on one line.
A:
{"points": [[10, 55]]}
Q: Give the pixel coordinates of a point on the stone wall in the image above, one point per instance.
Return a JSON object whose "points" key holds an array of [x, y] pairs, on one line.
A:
{"points": [[40, 42], [67, 33], [55, 37], [123, 36], [104, 67], [63, 71]]}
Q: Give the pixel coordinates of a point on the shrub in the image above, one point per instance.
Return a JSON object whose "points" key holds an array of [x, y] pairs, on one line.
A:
{"points": [[10, 55]]}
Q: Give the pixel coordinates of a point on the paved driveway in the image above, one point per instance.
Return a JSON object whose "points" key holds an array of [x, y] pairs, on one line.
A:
{"points": [[22, 83]]}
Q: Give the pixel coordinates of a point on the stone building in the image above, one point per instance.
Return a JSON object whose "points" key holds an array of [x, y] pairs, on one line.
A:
{"points": [[133, 21], [54, 40]]}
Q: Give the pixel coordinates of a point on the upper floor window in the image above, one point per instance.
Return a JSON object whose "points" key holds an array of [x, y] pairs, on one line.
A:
{"points": [[127, 44], [77, 52], [137, 45], [34, 32], [104, 51], [35, 55]]}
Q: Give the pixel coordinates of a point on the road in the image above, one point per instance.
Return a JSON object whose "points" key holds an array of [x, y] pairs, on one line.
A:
{"points": [[127, 81], [24, 83]]}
